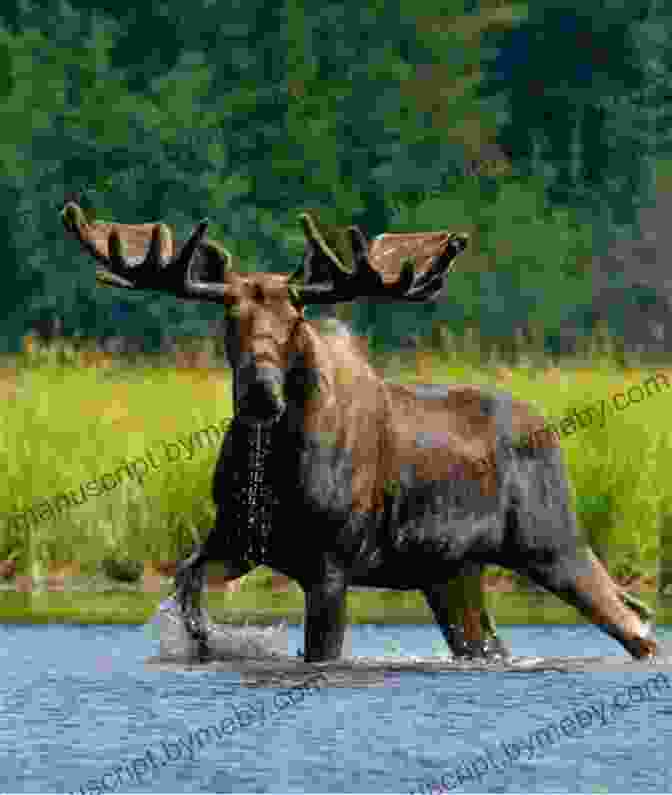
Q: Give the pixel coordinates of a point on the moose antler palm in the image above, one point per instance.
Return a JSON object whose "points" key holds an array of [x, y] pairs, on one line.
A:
{"points": [[323, 278], [335, 282], [153, 263]]}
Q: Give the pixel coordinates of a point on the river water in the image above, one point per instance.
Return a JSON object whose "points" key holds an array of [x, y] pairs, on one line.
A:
{"points": [[83, 712]]}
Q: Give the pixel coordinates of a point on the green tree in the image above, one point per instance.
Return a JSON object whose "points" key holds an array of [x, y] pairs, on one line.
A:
{"points": [[71, 121], [592, 117]]}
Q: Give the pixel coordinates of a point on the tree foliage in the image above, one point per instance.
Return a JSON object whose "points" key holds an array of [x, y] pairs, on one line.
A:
{"points": [[249, 112], [582, 93]]}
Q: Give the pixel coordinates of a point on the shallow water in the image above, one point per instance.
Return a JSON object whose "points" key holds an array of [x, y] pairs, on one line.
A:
{"points": [[81, 709]]}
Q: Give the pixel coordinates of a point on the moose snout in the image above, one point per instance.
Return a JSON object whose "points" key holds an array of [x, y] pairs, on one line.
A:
{"points": [[261, 396]]}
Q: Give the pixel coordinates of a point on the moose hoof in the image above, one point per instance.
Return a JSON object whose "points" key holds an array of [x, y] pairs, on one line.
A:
{"points": [[477, 650], [460, 646], [489, 649], [648, 649], [495, 649]]}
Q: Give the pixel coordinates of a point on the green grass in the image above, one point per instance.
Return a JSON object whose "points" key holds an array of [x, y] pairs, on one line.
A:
{"points": [[72, 427], [62, 426], [260, 608]]}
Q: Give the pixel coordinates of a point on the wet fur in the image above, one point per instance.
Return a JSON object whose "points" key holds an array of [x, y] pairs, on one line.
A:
{"points": [[368, 478]]}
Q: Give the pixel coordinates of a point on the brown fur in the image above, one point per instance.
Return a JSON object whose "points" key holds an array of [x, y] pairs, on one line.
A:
{"points": [[384, 427]]}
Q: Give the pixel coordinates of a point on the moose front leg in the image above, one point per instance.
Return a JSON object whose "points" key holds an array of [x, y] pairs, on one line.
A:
{"points": [[189, 581], [325, 619]]}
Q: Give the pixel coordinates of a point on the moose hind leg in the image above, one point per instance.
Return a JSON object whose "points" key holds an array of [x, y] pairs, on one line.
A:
{"points": [[546, 544], [583, 581], [459, 610], [493, 646], [189, 581]]}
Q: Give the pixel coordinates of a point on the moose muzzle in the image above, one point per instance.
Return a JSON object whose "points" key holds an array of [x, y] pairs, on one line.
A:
{"points": [[260, 393]]}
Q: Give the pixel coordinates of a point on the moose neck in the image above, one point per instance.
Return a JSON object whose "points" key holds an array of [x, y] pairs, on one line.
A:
{"points": [[347, 380], [345, 410], [349, 412]]}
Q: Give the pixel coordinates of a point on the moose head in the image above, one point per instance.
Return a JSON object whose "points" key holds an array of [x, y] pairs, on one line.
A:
{"points": [[264, 311]]}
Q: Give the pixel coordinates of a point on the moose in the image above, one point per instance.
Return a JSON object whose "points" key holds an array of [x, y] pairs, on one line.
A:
{"points": [[337, 478]]}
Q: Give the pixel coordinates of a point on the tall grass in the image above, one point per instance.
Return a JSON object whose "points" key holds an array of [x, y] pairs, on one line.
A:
{"points": [[70, 423], [70, 416]]}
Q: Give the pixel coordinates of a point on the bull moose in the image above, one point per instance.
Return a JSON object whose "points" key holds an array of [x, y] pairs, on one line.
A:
{"points": [[337, 478]]}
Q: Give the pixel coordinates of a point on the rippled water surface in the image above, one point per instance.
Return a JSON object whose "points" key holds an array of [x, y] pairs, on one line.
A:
{"points": [[81, 711]]}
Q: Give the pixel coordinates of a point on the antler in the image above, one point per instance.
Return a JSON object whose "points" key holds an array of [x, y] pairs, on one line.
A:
{"points": [[328, 279], [152, 264]]}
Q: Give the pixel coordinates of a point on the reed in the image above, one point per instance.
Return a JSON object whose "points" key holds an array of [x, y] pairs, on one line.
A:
{"points": [[72, 411]]}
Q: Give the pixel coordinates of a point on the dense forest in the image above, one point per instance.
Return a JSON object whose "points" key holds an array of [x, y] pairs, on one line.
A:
{"points": [[537, 129]]}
